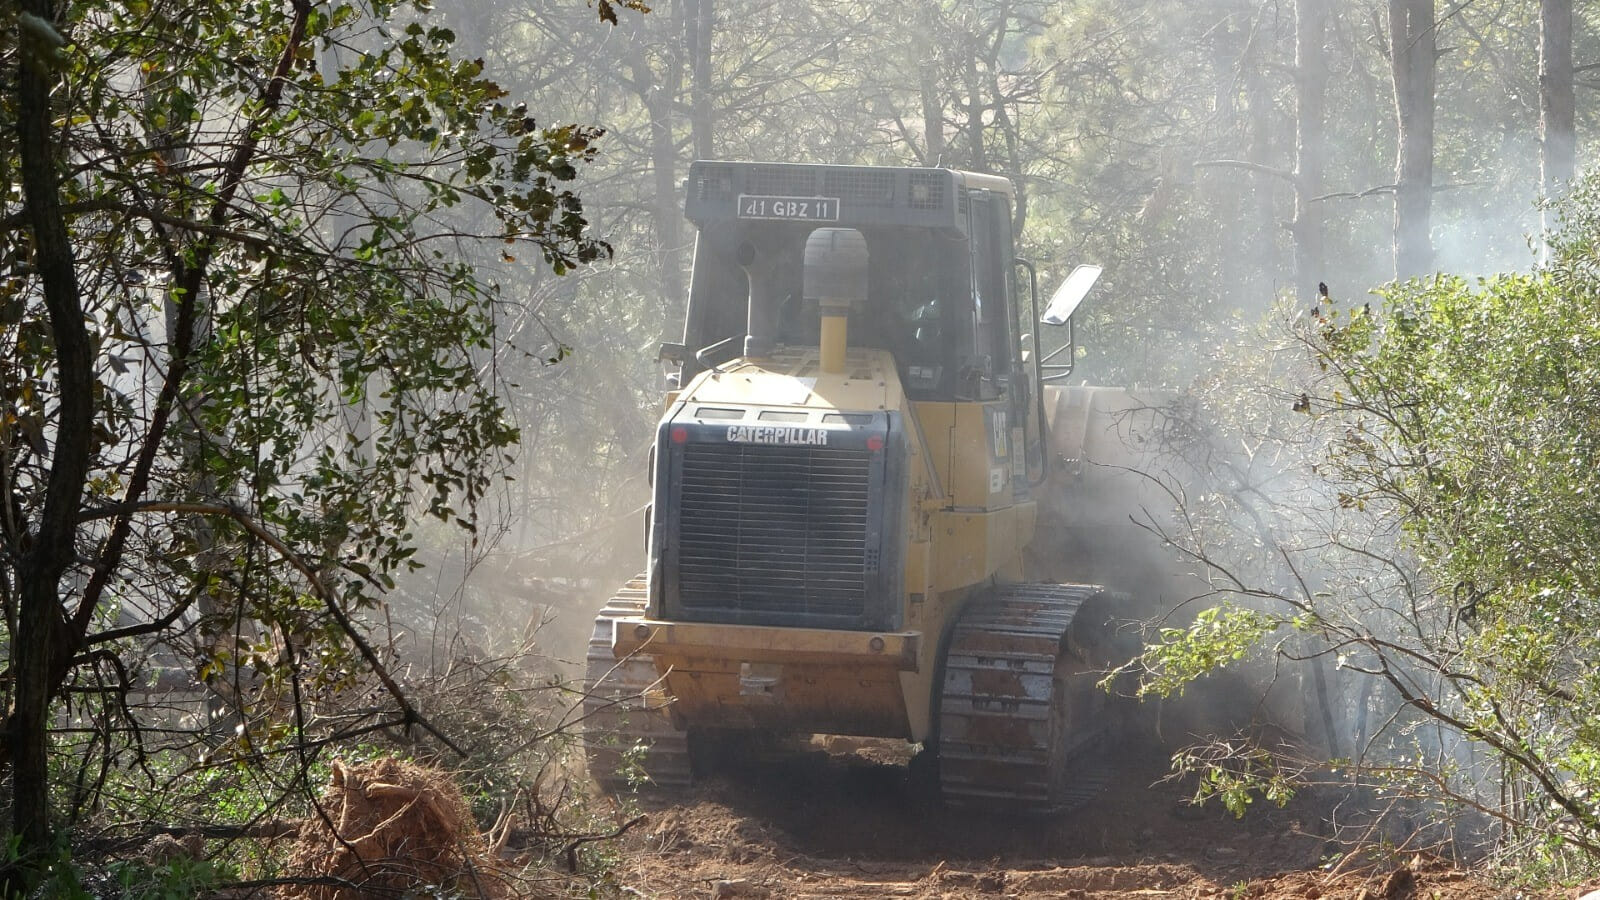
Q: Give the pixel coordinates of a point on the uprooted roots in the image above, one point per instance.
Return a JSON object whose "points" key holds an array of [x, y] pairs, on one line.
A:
{"points": [[400, 826]]}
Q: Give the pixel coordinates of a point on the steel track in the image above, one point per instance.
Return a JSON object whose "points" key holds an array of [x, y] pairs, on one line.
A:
{"points": [[625, 707], [1019, 707]]}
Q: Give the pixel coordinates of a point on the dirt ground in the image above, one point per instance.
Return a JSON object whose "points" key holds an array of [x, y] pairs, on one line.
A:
{"points": [[846, 819]]}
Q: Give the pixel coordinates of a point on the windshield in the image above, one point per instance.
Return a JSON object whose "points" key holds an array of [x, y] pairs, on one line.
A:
{"points": [[918, 304]]}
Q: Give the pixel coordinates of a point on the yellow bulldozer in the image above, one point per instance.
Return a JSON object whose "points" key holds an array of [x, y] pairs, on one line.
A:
{"points": [[845, 478]]}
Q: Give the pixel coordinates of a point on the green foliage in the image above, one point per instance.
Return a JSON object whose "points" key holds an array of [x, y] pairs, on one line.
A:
{"points": [[1219, 636], [60, 877], [1419, 503], [1235, 774], [180, 879], [287, 224], [1480, 413], [348, 371]]}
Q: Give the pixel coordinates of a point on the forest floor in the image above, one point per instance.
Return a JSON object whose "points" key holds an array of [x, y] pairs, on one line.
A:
{"points": [[844, 819]]}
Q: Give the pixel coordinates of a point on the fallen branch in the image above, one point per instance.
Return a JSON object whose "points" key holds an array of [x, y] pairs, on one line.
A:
{"points": [[572, 848], [1258, 168]]}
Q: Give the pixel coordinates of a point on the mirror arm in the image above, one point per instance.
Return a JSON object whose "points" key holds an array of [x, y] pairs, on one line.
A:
{"points": [[1057, 352], [1072, 352], [701, 355], [1054, 372]]}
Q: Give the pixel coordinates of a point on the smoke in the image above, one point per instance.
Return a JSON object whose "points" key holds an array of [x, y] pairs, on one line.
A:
{"points": [[1232, 494], [1120, 509]]}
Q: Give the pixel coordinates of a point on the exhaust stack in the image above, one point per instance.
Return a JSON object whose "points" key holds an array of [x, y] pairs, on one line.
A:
{"points": [[835, 277]]}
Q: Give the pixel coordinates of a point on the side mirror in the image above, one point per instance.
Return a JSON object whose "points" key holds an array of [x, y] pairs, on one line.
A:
{"points": [[672, 353], [1064, 302]]}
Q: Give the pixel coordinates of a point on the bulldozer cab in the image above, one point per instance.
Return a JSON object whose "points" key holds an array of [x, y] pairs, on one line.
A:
{"points": [[926, 255]]}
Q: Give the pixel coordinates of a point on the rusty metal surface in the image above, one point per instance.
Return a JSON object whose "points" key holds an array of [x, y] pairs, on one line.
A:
{"points": [[779, 679], [625, 705], [829, 699], [1017, 706]]}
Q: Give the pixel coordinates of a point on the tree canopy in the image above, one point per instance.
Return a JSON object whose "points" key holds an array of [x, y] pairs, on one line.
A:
{"points": [[248, 309], [1418, 511], [279, 297]]}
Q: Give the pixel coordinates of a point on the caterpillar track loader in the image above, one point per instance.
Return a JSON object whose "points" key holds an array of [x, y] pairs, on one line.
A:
{"points": [[845, 480]]}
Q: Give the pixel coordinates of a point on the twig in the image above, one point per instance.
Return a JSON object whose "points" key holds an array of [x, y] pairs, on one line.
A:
{"points": [[1247, 165], [1389, 189], [318, 586], [572, 848]]}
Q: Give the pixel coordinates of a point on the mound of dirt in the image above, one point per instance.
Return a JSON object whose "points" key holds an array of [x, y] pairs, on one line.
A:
{"points": [[1422, 878], [713, 830], [398, 826]]}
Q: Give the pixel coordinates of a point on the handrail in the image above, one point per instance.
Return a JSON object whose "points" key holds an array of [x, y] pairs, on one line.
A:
{"points": [[1038, 376]]}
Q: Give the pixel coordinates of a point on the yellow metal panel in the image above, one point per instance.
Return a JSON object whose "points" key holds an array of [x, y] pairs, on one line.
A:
{"points": [[1027, 523], [938, 425], [963, 558], [682, 640], [789, 679], [835, 330], [927, 491], [970, 449], [920, 687], [974, 545], [981, 465], [794, 377], [919, 574], [918, 692]]}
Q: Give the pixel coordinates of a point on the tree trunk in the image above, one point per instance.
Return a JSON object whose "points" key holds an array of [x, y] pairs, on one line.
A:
{"points": [[1261, 260], [1557, 103], [977, 159], [660, 93], [38, 648], [932, 111], [1311, 112], [700, 15], [1413, 58], [1226, 192]]}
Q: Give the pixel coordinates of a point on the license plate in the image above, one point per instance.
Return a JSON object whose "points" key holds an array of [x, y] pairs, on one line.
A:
{"points": [[797, 209]]}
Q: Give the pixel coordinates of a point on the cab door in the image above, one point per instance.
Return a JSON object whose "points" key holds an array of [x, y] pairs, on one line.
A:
{"points": [[995, 374]]}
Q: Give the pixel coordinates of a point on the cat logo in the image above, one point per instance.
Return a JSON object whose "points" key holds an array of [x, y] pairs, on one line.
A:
{"points": [[754, 434]]}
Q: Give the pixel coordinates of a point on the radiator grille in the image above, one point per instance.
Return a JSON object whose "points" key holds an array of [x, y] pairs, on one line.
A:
{"points": [[711, 182], [927, 190], [782, 181], [774, 534], [857, 187]]}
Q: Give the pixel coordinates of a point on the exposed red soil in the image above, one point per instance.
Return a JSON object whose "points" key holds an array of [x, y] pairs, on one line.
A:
{"points": [[852, 822]]}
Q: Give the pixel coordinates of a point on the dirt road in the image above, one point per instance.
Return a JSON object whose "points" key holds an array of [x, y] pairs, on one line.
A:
{"points": [[848, 820]]}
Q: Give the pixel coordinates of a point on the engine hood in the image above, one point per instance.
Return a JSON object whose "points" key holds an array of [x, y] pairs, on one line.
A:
{"points": [[794, 377]]}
